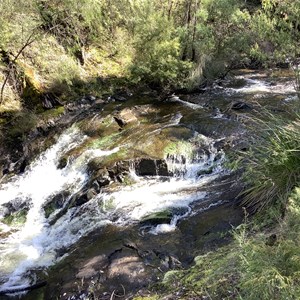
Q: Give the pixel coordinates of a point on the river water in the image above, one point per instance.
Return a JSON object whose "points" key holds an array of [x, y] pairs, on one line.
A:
{"points": [[37, 243]]}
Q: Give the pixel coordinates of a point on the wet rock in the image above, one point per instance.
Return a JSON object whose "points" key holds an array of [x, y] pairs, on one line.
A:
{"points": [[222, 144], [167, 261], [102, 177], [14, 206], [127, 268], [151, 167], [88, 99], [55, 203], [205, 172], [49, 100], [91, 193], [14, 212], [118, 170], [125, 117], [92, 267], [120, 96], [80, 200], [239, 105], [83, 197], [162, 217], [62, 163], [96, 186]]}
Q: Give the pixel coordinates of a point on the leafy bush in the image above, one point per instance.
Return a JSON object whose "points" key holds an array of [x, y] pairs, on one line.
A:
{"points": [[157, 46]]}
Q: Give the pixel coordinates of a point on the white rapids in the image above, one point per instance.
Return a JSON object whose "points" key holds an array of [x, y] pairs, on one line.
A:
{"points": [[35, 244], [259, 85]]}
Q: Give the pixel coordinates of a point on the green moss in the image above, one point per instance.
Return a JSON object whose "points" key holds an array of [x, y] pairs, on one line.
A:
{"points": [[179, 148], [17, 218], [122, 154], [99, 126], [52, 113], [128, 180], [106, 142], [22, 124], [157, 218]]}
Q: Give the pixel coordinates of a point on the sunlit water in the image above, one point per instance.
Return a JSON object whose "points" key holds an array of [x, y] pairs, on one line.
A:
{"points": [[261, 85], [37, 243]]}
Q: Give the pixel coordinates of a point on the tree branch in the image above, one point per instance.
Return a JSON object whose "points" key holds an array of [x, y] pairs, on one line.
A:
{"points": [[27, 43]]}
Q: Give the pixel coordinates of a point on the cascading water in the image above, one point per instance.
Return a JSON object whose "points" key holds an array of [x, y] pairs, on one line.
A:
{"points": [[36, 244]]}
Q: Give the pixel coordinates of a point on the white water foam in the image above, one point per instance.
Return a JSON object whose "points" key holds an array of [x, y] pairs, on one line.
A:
{"points": [[36, 244], [185, 103], [261, 86]]}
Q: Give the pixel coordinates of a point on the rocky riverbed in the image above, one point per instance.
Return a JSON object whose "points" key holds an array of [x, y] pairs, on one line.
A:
{"points": [[128, 188]]}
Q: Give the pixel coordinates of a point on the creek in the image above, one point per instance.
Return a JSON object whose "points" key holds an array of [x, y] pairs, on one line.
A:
{"points": [[132, 190]]}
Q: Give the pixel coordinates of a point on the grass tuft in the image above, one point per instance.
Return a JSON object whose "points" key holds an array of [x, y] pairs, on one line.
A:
{"points": [[272, 165]]}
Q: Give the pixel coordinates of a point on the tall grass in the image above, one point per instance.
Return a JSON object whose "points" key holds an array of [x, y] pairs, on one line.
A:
{"points": [[249, 268], [272, 166]]}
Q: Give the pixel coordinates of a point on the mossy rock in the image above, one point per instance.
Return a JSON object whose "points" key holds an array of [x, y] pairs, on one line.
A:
{"points": [[99, 126], [52, 113], [156, 218], [55, 203], [16, 218], [206, 171], [180, 133]]}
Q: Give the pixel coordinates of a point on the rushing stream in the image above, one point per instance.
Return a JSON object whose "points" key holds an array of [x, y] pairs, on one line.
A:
{"points": [[39, 242], [34, 244]]}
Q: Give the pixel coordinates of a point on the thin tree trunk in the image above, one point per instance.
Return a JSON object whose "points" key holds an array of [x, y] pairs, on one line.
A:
{"points": [[170, 9], [194, 32], [28, 42], [187, 24]]}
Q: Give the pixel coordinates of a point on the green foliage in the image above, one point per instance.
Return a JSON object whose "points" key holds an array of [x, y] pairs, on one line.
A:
{"points": [[273, 164], [23, 122], [276, 33], [18, 20], [273, 268], [157, 49]]}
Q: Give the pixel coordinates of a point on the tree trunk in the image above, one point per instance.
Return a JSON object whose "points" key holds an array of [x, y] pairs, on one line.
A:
{"points": [[11, 64]]}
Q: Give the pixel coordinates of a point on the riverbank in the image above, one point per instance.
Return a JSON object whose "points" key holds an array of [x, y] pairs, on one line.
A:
{"points": [[262, 262], [181, 136]]}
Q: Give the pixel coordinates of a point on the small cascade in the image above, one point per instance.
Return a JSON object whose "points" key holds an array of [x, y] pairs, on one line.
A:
{"points": [[34, 244], [175, 98], [197, 161], [259, 85], [40, 242]]}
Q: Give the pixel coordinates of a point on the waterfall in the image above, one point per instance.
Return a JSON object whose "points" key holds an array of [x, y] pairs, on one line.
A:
{"points": [[36, 244]]}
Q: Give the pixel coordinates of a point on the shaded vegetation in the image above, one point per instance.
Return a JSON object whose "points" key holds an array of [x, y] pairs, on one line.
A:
{"points": [[272, 165], [70, 48]]}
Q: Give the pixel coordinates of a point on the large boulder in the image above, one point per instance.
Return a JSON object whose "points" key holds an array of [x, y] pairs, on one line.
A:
{"points": [[126, 116], [151, 167]]}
